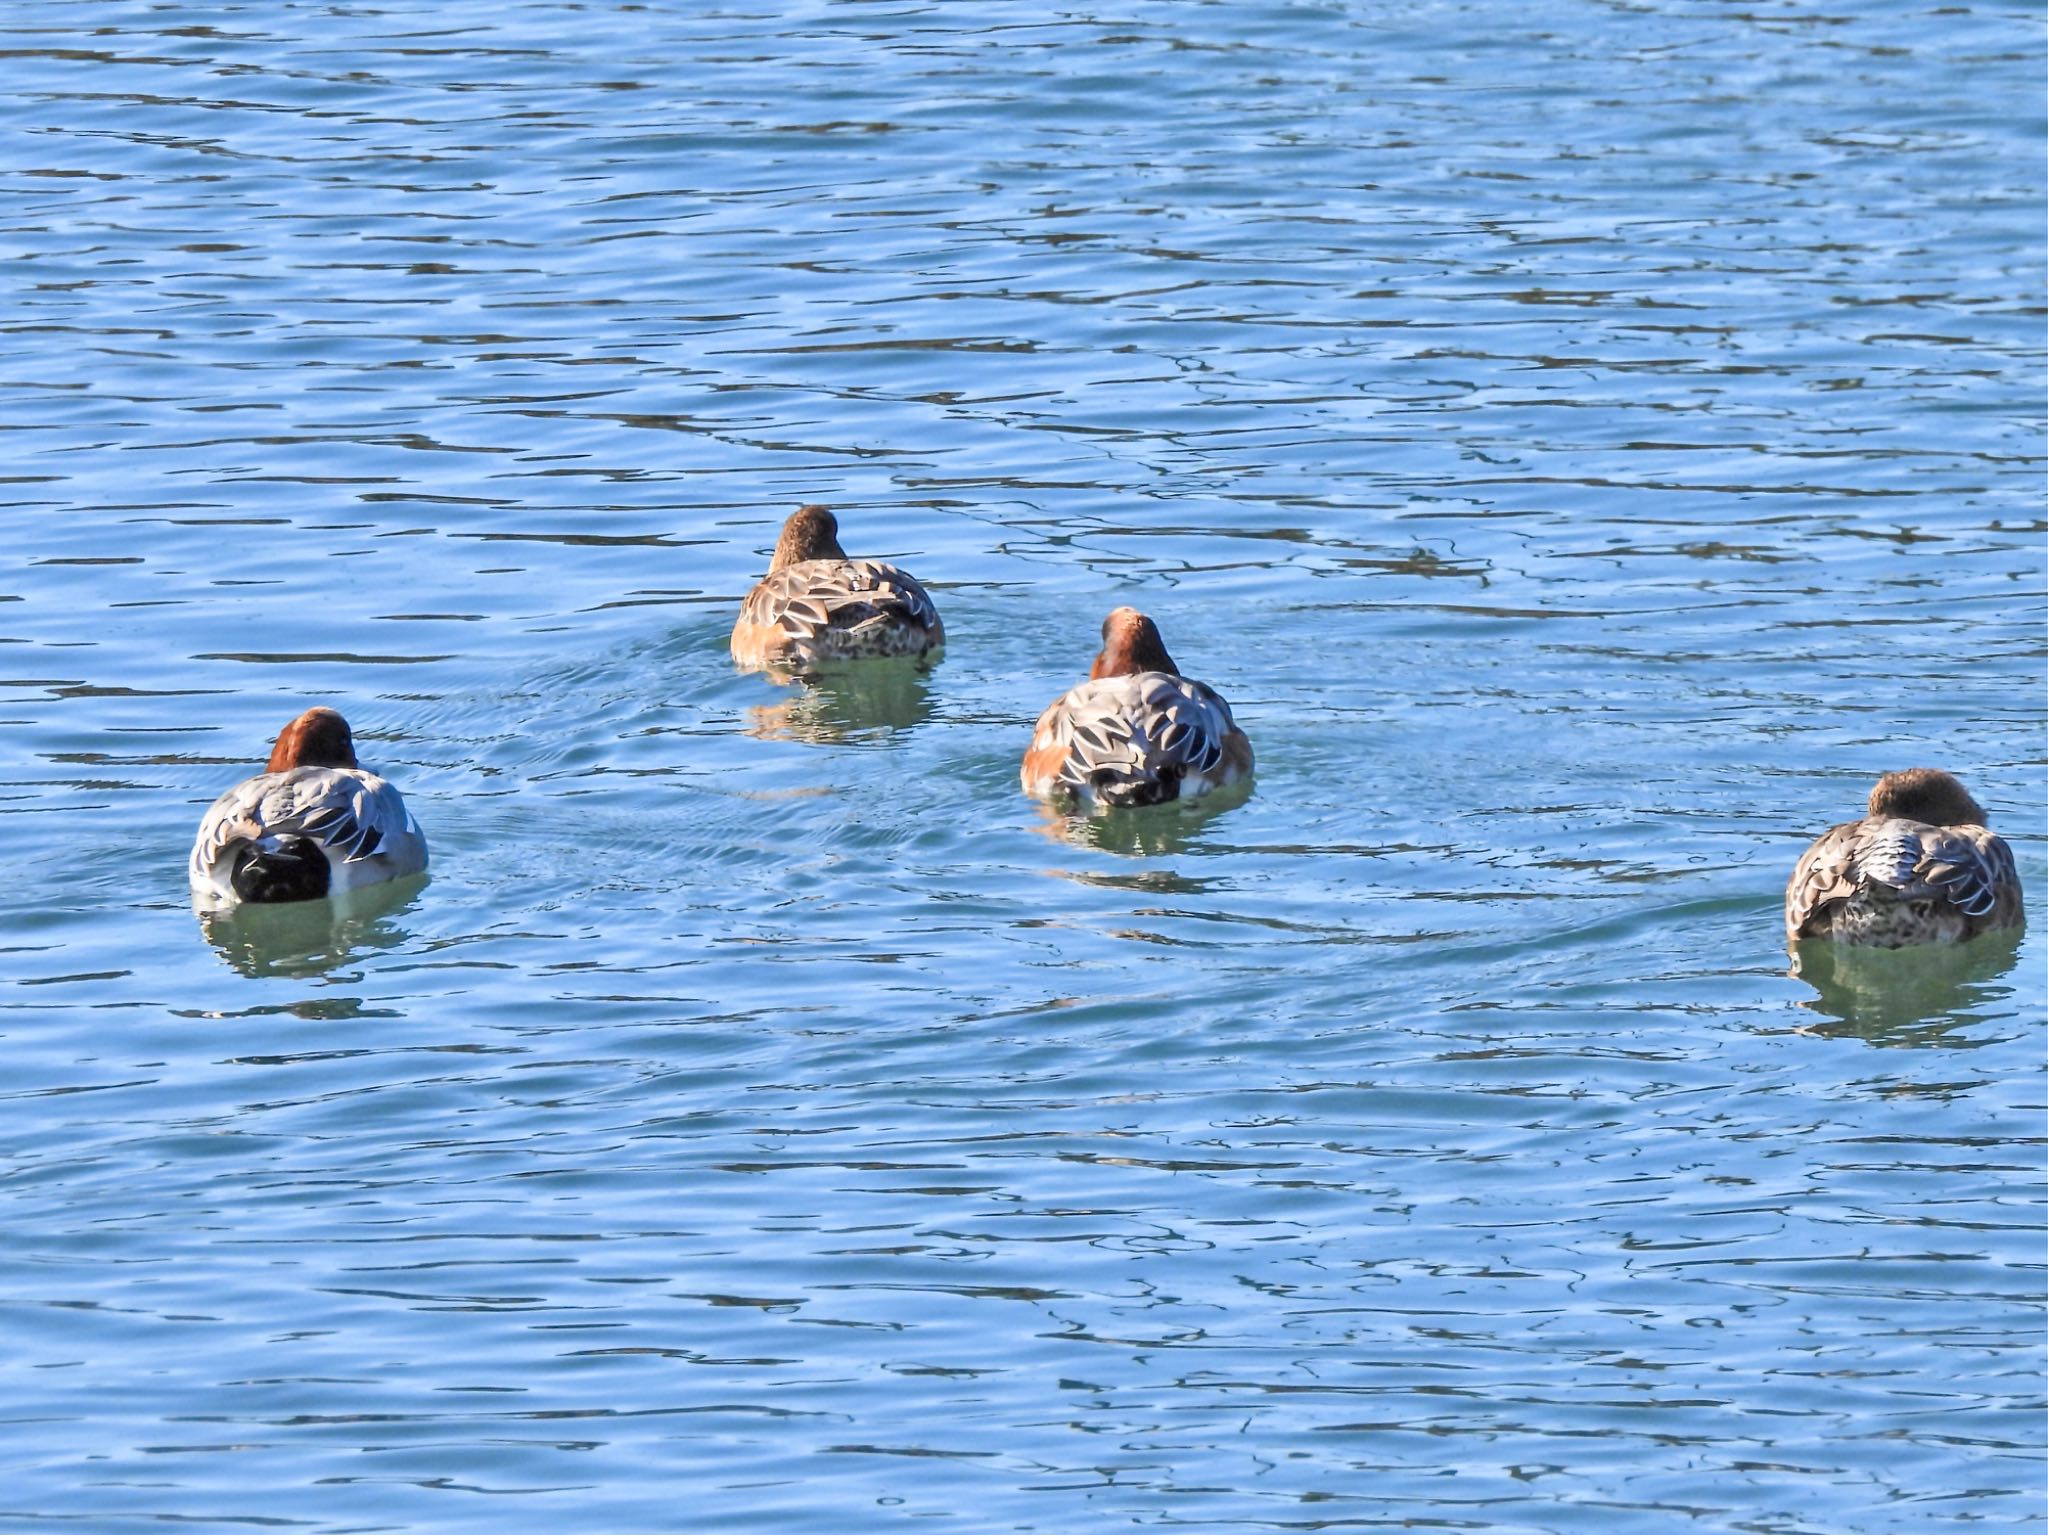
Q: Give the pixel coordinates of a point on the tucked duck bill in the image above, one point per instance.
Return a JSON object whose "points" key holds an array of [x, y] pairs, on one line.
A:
{"points": [[1131, 644], [812, 533], [1927, 795], [317, 738]]}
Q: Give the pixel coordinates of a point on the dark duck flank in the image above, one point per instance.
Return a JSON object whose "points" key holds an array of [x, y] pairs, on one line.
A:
{"points": [[817, 607], [289, 869], [1920, 868]]}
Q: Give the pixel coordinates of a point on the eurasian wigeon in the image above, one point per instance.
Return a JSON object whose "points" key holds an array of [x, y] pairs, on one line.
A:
{"points": [[1136, 732], [311, 824], [815, 606], [1920, 868]]}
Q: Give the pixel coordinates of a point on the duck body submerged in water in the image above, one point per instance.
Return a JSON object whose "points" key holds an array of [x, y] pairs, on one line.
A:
{"points": [[817, 607], [1136, 732], [312, 824], [1921, 868]]}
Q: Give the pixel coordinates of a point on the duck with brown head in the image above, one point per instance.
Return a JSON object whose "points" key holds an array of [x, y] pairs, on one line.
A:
{"points": [[313, 823], [1136, 732], [1920, 868], [816, 607]]}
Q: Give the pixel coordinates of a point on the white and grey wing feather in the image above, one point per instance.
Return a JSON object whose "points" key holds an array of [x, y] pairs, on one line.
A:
{"points": [[1917, 861], [230, 819], [1967, 865], [809, 598], [1893, 861], [1137, 725], [1189, 724], [353, 814], [1826, 872], [1888, 852], [784, 599], [894, 594], [1090, 738], [359, 821]]}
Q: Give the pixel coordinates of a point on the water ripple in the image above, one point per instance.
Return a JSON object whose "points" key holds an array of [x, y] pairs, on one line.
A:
{"points": [[1584, 453]]}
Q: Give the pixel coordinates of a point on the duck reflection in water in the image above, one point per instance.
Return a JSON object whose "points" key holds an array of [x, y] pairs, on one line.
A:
{"points": [[1917, 997], [298, 939], [1150, 831], [845, 702]]}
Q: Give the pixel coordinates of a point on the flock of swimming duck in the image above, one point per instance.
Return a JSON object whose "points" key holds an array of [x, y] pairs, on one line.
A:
{"points": [[1920, 868]]}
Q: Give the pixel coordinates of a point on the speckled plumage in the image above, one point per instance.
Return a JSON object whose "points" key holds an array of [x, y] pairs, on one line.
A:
{"points": [[1135, 740], [817, 607], [1895, 880], [1137, 732], [260, 839], [820, 611]]}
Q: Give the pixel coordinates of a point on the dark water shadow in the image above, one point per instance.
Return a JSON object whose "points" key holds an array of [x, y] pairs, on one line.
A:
{"points": [[308, 938], [1909, 997], [845, 703], [1146, 831]]}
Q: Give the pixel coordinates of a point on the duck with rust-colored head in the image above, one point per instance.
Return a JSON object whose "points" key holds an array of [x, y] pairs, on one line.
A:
{"points": [[817, 607], [1920, 868], [313, 823], [1136, 732]]}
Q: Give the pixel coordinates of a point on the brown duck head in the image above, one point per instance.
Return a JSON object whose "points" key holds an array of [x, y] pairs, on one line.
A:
{"points": [[1131, 643], [317, 738], [812, 533], [1928, 795]]}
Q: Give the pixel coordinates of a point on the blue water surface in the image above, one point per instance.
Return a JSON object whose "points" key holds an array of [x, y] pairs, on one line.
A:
{"points": [[1586, 441]]}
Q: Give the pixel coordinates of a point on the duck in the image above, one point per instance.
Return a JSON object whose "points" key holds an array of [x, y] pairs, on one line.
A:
{"points": [[816, 607], [1920, 868], [313, 823], [1136, 732]]}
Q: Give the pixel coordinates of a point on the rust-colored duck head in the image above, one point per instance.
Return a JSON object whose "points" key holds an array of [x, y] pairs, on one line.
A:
{"points": [[1131, 643], [1927, 795], [812, 533], [317, 738]]}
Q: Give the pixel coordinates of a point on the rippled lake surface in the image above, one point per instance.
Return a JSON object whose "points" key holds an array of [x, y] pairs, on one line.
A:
{"points": [[1586, 441]]}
